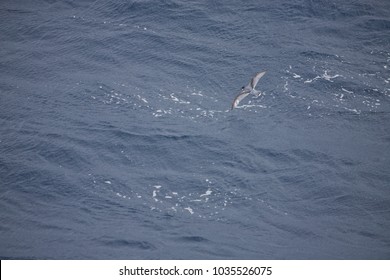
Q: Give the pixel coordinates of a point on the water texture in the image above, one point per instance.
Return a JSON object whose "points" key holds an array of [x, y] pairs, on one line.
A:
{"points": [[117, 140]]}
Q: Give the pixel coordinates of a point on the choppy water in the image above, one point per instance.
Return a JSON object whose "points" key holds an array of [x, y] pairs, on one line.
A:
{"points": [[116, 139]]}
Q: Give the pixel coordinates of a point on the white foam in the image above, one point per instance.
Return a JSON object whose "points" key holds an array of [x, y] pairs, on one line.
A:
{"points": [[324, 76], [175, 99], [142, 98], [347, 91], [250, 106], [296, 76], [208, 192], [154, 195], [285, 87], [189, 209], [352, 110], [328, 77], [311, 80], [197, 93]]}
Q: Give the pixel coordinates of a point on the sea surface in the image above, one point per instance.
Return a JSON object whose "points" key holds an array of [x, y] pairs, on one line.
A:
{"points": [[117, 140]]}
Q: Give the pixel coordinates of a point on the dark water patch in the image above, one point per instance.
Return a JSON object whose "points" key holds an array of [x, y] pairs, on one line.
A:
{"points": [[193, 239], [133, 244]]}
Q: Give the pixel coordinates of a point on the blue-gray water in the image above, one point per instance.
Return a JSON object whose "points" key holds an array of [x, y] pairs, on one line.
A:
{"points": [[116, 139]]}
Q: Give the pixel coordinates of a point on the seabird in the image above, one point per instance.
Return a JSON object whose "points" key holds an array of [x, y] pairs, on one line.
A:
{"points": [[250, 88]]}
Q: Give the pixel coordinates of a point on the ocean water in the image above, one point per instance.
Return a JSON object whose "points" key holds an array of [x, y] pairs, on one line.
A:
{"points": [[117, 140]]}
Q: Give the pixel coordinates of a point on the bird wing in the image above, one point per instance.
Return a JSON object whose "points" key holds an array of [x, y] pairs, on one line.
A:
{"points": [[240, 97], [256, 79]]}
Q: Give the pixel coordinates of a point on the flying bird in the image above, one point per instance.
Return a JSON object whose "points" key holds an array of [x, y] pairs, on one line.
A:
{"points": [[250, 88]]}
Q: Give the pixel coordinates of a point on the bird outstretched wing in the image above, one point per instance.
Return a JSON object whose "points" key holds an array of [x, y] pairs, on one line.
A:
{"points": [[240, 97], [256, 79]]}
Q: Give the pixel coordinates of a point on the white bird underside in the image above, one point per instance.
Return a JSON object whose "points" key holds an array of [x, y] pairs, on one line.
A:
{"points": [[250, 88]]}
